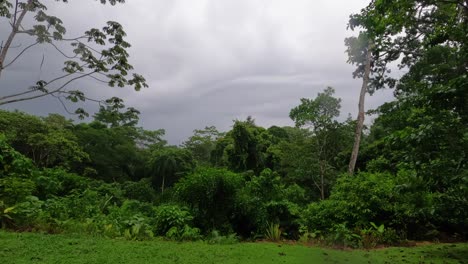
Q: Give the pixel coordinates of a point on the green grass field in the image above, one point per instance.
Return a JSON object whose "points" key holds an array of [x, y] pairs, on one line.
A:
{"points": [[38, 248]]}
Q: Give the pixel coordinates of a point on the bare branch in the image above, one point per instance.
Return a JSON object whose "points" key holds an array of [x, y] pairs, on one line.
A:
{"points": [[64, 76], [74, 39], [95, 78], [87, 98], [63, 53], [59, 97], [16, 12], [63, 104], [47, 93], [91, 48], [19, 55], [18, 94]]}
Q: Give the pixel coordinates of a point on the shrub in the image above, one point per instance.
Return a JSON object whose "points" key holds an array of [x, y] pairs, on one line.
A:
{"points": [[28, 213], [171, 216], [140, 190], [216, 238], [354, 201], [374, 235], [137, 228], [58, 182], [186, 233], [210, 193], [340, 235], [12, 162], [14, 189], [296, 194], [263, 200], [286, 214], [6, 212], [367, 197], [273, 232]]}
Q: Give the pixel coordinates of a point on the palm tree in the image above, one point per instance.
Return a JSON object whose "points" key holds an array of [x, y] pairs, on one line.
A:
{"points": [[168, 165]]}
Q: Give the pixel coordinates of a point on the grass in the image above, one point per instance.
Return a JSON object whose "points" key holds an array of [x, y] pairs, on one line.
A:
{"points": [[40, 248]]}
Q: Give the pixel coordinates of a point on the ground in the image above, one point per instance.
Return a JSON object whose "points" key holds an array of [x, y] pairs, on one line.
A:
{"points": [[41, 248]]}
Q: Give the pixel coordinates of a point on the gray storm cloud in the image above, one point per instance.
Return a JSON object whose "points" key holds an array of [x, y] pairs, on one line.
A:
{"points": [[209, 62]]}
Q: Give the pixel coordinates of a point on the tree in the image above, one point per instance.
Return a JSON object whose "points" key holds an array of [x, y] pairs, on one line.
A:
{"points": [[113, 116], [100, 54], [360, 53], [168, 165], [18, 126], [118, 149], [57, 147], [430, 38], [249, 146], [318, 115], [48, 141], [424, 133], [202, 143]]}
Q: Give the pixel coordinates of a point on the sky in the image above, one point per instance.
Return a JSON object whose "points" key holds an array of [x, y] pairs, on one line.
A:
{"points": [[209, 62]]}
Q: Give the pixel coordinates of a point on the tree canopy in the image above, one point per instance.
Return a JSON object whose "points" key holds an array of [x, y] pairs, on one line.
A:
{"points": [[99, 53]]}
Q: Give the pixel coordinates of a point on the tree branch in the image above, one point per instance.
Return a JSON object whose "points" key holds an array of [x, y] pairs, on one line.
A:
{"points": [[16, 12], [47, 93], [63, 53], [19, 55], [12, 35]]}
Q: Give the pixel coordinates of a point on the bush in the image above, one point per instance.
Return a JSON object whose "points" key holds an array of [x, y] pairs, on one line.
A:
{"points": [[28, 213], [168, 217], [58, 182], [263, 200], [140, 190], [186, 233], [137, 228], [211, 194], [322, 215], [12, 163], [14, 190], [296, 194], [354, 201], [273, 232], [340, 235], [216, 238]]}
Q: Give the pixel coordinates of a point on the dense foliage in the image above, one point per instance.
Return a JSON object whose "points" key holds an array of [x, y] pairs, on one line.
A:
{"points": [[112, 178]]}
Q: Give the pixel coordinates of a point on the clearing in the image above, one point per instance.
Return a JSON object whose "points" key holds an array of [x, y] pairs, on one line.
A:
{"points": [[40, 248]]}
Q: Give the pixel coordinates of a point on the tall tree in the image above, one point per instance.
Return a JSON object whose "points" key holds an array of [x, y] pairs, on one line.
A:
{"points": [[423, 133], [318, 115], [168, 165], [202, 143], [100, 54], [412, 31], [360, 53]]}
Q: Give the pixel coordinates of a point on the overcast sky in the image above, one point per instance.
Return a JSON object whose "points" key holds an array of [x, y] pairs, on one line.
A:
{"points": [[209, 62]]}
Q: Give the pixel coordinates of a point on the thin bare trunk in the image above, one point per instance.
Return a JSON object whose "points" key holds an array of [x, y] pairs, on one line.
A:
{"points": [[15, 26], [322, 166], [360, 119], [322, 180], [162, 185]]}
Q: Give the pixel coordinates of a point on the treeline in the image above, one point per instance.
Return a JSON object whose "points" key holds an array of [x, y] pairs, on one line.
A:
{"points": [[110, 177], [113, 178]]}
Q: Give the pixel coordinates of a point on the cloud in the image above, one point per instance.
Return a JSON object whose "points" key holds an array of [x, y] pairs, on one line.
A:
{"points": [[209, 62]]}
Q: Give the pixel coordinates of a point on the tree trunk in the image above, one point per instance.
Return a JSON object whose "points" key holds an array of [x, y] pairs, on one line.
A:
{"points": [[360, 118], [162, 184], [14, 30], [322, 181]]}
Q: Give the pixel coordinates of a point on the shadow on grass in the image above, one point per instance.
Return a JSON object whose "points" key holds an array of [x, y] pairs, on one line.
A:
{"points": [[444, 252]]}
